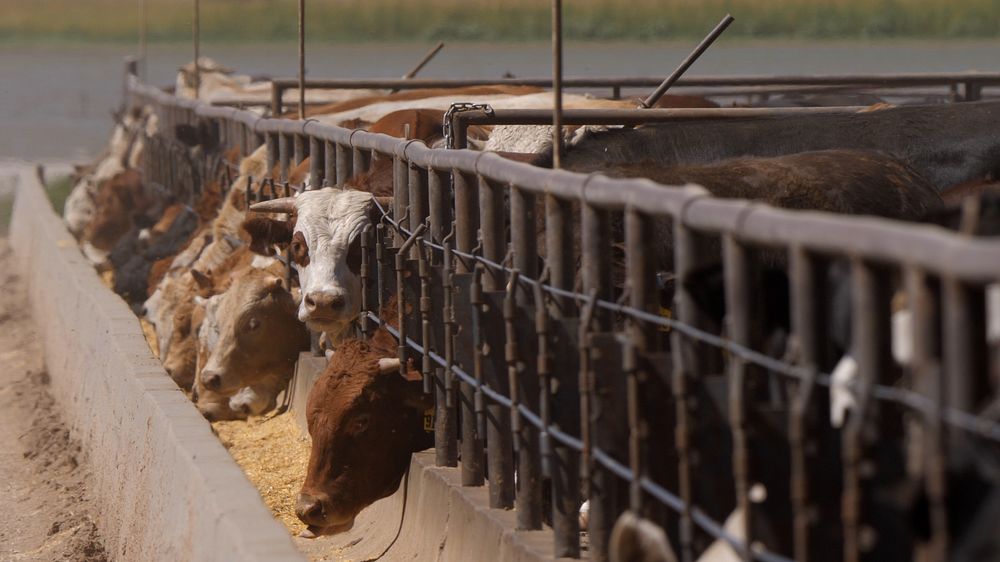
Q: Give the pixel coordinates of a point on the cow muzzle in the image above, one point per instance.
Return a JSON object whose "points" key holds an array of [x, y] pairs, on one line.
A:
{"points": [[211, 379], [320, 517]]}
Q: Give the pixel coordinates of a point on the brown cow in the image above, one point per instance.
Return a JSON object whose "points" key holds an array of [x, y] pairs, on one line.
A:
{"points": [[359, 401]]}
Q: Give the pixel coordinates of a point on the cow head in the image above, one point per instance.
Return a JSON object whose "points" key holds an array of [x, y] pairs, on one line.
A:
{"points": [[365, 421], [324, 236], [255, 333]]}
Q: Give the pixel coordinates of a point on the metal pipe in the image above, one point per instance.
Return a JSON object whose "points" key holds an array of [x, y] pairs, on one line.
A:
{"points": [[707, 81], [196, 32], [302, 59], [686, 64], [143, 40], [557, 84], [423, 62]]}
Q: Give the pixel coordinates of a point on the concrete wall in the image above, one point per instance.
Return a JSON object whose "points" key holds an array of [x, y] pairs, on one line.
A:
{"points": [[167, 488]]}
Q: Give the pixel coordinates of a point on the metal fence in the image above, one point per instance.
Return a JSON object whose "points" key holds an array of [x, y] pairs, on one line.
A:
{"points": [[543, 362]]}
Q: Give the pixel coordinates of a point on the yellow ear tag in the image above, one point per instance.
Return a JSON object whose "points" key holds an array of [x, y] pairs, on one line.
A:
{"points": [[668, 314], [429, 420]]}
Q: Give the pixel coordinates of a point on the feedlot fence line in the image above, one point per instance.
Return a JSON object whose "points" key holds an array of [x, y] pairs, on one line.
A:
{"points": [[960, 86], [557, 360]]}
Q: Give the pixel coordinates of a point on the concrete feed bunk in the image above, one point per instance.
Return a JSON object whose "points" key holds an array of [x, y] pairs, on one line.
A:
{"points": [[167, 488]]}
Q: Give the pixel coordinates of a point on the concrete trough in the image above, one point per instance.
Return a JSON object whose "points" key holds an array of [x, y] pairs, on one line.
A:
{"points": [[166, 487]]}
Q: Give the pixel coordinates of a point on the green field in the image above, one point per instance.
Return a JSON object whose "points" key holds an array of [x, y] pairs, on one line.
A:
{"points": [[354, 20]]}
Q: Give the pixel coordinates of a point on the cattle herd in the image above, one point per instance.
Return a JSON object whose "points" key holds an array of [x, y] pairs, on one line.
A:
{"points": [[231, 275]]}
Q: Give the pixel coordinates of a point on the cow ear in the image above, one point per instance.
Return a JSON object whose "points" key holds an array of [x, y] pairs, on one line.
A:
{"points": [[266, 232], [272, 285]]}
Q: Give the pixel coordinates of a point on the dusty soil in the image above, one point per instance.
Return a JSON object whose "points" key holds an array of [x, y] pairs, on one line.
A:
{"points": [[45, 509]]}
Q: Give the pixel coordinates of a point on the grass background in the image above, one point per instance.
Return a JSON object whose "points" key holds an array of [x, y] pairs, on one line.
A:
{"points": [[380, 20]]}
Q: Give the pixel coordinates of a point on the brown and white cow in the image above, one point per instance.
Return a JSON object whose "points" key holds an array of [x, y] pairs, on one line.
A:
{"points": [[361, 400], [248, 343]]}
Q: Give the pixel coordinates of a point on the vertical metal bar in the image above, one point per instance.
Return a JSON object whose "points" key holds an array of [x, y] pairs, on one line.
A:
{"points": [[686, 367], [466, 225], [400, 193], [277, 92], [596, 269], [565, 403], [196, 33], [302, 59], [272, 152], [417, 182], [523, 373], [926, 366], [317, 162], [639, 235], [284, 156], [299, 149], [143, 41], [362, 160], [557, 84], [498, 438], [738, 297], [445, 422], [964, 316], [329, 164], [804, 328], [345, 165]]}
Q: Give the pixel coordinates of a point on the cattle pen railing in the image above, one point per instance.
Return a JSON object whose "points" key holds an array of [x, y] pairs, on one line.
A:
{"points": [[593, 386], [964, 86]]}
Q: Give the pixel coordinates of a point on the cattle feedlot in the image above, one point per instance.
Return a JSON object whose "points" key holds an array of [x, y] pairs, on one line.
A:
{"points": [[615, 318]]}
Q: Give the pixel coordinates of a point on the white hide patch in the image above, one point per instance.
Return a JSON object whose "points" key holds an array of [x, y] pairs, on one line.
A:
{"points": [[842, 395], [263, 262]]}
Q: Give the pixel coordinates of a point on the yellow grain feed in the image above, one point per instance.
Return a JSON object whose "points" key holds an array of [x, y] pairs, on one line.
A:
{"points": [[273, 453]]}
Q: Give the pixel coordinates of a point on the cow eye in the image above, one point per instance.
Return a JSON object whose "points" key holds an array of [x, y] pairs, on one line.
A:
{"points": [[299, 250], [360, 424], [253, 324]]}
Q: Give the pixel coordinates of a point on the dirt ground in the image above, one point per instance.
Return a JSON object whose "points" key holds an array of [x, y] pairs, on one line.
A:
{"points": [[45, 511]]}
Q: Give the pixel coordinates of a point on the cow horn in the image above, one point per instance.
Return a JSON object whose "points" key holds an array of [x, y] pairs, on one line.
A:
{"points": [[388, 365], [280, 205]]}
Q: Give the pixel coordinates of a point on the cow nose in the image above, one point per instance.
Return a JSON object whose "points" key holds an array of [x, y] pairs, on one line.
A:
{"points": [[211, 379], [324, 302], [309, 510]]}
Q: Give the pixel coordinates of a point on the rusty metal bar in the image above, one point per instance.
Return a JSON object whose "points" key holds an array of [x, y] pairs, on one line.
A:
{"points": [[272, 151], [596, 268], [739, 296], [302, 59], [687, 62], [706, 81], [423, 62], [466, 226], [418, 204], [522, 372], [499, 443], [445, 421], [557, 71]]}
